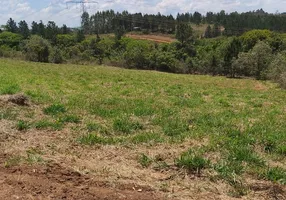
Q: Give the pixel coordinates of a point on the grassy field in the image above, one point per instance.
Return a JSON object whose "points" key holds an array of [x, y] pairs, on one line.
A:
{"points": [[230, 132]]}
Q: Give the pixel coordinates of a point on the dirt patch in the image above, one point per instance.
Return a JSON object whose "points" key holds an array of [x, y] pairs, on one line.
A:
{"points": [[18, 99], [52, 181], [154, 38]]}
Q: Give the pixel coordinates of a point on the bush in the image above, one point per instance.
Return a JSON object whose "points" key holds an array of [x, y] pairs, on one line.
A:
{"points": [[37, 49], [137, 53], [277, 70], [56, 56], [254, 63], [10, 39]]}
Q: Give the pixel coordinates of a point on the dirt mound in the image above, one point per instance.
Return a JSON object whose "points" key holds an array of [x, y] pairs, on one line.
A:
{"points": [[18, 99], [52, 181]]}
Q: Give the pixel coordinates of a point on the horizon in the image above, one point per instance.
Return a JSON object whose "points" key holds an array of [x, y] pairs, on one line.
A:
{"points": [[61, 13]]}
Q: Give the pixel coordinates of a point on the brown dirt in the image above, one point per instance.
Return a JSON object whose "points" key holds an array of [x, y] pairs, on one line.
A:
{"points": [[154, 38], [52, 181], [19, 99]]}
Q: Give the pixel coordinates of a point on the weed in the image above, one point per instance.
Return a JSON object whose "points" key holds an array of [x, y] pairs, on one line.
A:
{"points": [[124, 125], [45, 124], [144, 160], [22, 125], [70, 119], [92, 139], [55, 109], [13, 161], [192, 161], [147, 138], [276, 174], [175, 127], [34, 158], [97, 127]]}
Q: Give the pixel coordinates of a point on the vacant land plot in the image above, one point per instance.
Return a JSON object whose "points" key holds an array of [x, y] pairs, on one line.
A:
{"points": [[90, 132]]}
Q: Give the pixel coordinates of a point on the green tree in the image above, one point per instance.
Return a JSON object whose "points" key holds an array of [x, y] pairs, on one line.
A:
{"points": [[184, 32], [208, 32], [11, 26], [197, 18], [80, 36], [65, 29], [85, 23], [216, 30], [34, 28], [230, 53], [37, 49], [52, 31], [255, 62], [42, 29], [24, 29]]}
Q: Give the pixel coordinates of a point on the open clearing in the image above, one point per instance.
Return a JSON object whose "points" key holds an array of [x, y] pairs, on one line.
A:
{"points": [[97, 132], [154, 38]]}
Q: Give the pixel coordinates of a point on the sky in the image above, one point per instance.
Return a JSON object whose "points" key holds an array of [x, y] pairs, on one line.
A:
{"points": [[69, 14]]}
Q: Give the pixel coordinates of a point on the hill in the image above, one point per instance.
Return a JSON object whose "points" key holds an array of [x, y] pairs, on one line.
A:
{"points": [[110, 133]]}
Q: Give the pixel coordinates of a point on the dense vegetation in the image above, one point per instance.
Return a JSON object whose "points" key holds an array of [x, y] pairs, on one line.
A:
{"points": [[255, 53]]}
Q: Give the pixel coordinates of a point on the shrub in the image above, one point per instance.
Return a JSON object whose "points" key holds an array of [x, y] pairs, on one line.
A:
{"points": [[10, 39], [37, 49], [136, 54], [277, 70], [56, 56]]}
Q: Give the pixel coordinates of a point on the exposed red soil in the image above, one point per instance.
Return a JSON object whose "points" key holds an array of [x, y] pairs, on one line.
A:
{"points": [[154, 38], [52, 181]]}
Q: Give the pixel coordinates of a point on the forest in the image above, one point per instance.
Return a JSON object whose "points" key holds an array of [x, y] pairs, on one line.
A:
{"points": [[251, 44]]}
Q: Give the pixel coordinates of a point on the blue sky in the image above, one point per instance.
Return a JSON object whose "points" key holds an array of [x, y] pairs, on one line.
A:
{"points": [[58, 11]]}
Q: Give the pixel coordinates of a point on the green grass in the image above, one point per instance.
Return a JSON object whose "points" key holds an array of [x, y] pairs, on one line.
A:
{"points": [[22, 125], [193, 161], [55, 109], [241, 121]]}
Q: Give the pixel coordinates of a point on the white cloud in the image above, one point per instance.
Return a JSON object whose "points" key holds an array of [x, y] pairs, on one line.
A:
{"points": [[56, 10]]}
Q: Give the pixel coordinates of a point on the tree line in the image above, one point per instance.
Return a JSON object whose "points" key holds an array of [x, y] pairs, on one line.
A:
{"points": [[260, 54]]}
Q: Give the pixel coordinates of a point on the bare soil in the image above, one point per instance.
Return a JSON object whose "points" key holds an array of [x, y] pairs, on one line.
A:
{"points": [[52, 181], [154, 38]]}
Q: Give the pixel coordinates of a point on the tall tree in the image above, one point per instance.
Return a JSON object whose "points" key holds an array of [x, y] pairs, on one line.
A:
{"points": [[65, 29], [85, 23], [24, 29], [208, 32], [11, 26], [184, 32], [51, 31], [197, 17], [34, 28], [216, 30], [42, 29]]}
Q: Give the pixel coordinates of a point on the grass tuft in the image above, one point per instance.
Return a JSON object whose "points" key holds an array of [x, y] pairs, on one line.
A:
{"points": [[192, 161], [22, 125], [124, 125], [55, 109]]}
